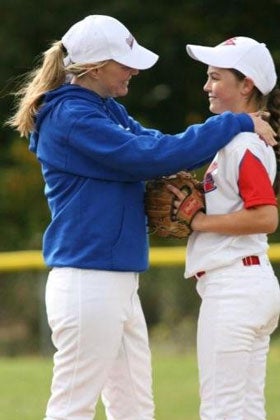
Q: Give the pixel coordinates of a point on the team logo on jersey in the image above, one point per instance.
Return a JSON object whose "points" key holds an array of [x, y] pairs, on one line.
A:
{"points": [[208, 182], [130, 41]]}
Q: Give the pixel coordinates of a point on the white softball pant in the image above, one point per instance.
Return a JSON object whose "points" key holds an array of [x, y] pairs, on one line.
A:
{"points": [[239, 310], [100, 334]]}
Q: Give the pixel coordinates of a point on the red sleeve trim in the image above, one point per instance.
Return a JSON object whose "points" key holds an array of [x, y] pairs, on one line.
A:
{"points": [[254, 184]]}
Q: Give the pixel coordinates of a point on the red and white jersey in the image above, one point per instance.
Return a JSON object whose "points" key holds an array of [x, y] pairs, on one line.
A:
{"points": [[240, 176]]}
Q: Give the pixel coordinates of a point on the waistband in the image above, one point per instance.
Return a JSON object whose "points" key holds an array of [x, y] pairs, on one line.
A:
{"points": [[246, 261]]}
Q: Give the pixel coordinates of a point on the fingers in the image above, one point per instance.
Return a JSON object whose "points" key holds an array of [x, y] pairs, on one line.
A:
{"points": [[178, 193], [175, 207], [269, 140], [267, 134], [263, 114], [178, 198], [176, 204], [264, 130]]}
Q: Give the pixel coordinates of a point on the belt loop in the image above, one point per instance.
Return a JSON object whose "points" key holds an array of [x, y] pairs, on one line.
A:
{"points": [[251, 260], [247, 261], [200, 274]]}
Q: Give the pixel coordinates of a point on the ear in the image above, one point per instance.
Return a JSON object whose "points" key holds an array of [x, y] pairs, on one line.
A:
{"points": [[248, 86], [94, 73]]}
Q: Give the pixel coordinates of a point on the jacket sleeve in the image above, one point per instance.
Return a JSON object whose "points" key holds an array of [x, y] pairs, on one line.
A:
{"points": [[204, 140], [97, 147]]}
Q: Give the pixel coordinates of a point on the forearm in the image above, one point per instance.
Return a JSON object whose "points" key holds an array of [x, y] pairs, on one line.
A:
{"points": [[261, 219]]}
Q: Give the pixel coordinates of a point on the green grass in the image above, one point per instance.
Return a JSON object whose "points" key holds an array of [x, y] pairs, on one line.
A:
{"points": [[24, 386]]}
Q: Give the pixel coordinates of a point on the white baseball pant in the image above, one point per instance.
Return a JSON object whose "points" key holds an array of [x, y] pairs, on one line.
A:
{"points": [[239, 310], [100, 334]]}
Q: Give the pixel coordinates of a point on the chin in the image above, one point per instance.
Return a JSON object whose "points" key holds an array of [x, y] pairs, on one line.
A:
{"points": [[118, 94], [122, 92], [217, 109], [214, 110]]}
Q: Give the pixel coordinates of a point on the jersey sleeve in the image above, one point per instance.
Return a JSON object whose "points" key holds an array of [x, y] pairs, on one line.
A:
{"points": [[254, 184]]}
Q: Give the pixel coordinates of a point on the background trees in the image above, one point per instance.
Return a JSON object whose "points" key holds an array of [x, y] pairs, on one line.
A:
{"points": [[168, 96]]}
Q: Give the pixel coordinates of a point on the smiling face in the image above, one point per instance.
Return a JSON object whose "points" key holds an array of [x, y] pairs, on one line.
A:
{"points": [[113, 79], [226, 92], [110, 80]]}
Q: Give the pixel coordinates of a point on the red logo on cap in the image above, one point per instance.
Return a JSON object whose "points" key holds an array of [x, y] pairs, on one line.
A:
{"points": [[130, 41], [230, 41]]}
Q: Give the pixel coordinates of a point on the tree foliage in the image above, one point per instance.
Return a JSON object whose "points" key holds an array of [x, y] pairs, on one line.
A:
{"points": [[168, 96]]}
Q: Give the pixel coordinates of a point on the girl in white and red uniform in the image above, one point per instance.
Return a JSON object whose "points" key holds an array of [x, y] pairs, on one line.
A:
{"points": [[227, 252]]}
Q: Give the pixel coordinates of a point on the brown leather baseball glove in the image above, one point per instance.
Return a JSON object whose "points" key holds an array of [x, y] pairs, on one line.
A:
{"points": [[159, 205]]}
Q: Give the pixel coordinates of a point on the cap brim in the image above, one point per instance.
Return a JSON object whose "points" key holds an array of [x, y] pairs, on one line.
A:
{"points": [[212, 56], [140, 58]]}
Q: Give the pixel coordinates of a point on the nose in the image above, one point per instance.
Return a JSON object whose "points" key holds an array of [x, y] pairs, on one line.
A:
{"points": [[207, 86]]}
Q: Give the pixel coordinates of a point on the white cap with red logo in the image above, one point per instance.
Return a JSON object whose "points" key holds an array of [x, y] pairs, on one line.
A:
{"points": [[244, 54], [98, 38]]}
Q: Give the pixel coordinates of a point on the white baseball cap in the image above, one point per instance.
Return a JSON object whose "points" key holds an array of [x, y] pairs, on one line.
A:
{"points": [[97, 38], [241, 53]]}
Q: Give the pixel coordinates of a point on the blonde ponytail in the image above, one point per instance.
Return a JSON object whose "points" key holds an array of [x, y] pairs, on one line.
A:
{"points": [[49, 76]]}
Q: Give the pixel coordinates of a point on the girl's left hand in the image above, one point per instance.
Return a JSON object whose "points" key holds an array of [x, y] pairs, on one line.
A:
{"points": [[179, 197]]}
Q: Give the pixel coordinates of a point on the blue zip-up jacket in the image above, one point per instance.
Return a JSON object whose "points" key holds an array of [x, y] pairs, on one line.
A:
{"points": [[95, 159]]}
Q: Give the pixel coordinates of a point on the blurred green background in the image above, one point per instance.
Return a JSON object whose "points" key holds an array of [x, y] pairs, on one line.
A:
{"points": [[169, 97]]}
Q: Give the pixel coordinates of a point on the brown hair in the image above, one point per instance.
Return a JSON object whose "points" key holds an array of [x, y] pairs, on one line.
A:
{"points": [[273, 107], [271, 104]]}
